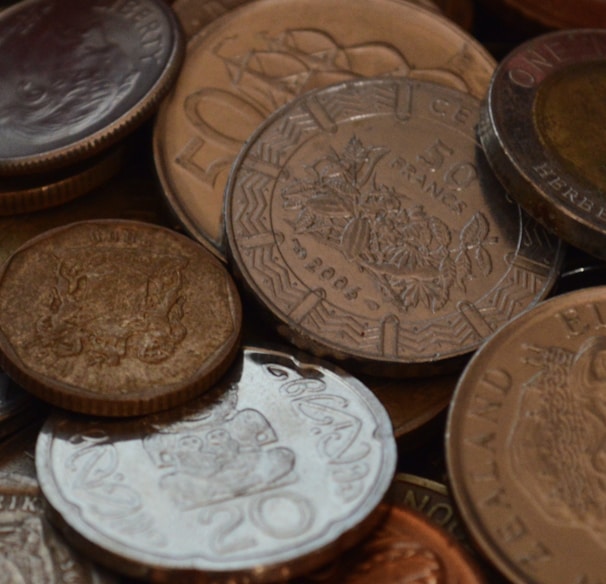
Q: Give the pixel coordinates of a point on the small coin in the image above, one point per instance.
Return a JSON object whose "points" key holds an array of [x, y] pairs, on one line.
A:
{"points": [[116, 317], [525, 443], [538, 130], [366, 220], [246, 64], [275, 471], [78, 76]]}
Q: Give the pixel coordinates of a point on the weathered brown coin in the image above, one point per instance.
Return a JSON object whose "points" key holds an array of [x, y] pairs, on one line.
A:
{"points": [[525, 443], [365, 218], [243, 66], [538, 130], [78, 76], [116, 317], [31, 550], [275, 471], [41, 191]]}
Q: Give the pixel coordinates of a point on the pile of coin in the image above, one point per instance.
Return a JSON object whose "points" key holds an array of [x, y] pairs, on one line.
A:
{"points": [[314, 295]]}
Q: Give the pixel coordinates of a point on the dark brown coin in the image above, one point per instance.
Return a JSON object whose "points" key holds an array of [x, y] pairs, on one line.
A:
{"points": [[561, 13], [538, 130], [116, 317], [365, 219], [525, 443], [78, 76]]}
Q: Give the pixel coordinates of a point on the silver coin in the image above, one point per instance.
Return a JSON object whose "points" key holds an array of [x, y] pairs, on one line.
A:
{"points": [[272, 473]]}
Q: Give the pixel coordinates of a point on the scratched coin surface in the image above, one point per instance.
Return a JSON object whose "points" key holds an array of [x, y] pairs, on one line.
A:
{"points": [[116, 317], [365, 218], [78, 76], [244, 65], [31, 550], [538, 130], [525, 443], [273, 472]]}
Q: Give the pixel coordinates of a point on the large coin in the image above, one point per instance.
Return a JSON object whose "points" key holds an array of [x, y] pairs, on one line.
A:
{"points": [[274, 472], [116, 317], [77, 76], [243, 66], [365, 218], [526, 443], [538, 130]]}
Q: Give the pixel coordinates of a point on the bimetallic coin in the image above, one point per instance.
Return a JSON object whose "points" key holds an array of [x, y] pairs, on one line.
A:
{"points": [[525, 443], [116, 317], [365, 218], [538, 130], [274, 472], [78, 76], [244, 65]]}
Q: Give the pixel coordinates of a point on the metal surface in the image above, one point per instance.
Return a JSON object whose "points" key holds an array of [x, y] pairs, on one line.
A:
{"points": [[246, 64], [525, 443], [274, 472], [365, 218], [78, 76], [116, 317], [538, 130], [561, 13]]}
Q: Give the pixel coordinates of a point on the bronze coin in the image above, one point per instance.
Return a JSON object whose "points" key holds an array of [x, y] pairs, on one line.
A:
{"points": [[538, 130], [194, 15], [525, 443], [116, 317], [244, 65], [366, 220], [78, 76]]}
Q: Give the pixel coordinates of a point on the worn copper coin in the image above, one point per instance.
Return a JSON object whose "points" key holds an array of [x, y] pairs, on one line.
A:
{"points": [[365, 218], [31, 550], [275, 471], [538, 129], [244, 65], [525, 443], [116, 317], [78, 76]]}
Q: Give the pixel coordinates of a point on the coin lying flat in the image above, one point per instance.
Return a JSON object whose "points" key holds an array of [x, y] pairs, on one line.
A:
{"points": [[275, 471], [525, 443], [78, 76], [538, 130], [244, 65], [116, 317], [367, 222]]}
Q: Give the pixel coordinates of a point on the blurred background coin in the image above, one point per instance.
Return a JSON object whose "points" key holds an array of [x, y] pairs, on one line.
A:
{"points": [[538, 129], [244, 65], [291, 453], [366, 220]]}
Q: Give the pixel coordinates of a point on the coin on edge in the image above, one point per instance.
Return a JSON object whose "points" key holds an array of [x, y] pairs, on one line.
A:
{"points": [[244, 65], [78, 76], [538, 131], [365, 219], [525, 443], [275, 471], [116, 317]]}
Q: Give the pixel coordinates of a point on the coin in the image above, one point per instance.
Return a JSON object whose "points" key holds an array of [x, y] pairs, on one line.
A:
{"points": [[116, 317], [78, 76], [366, 220], [544, 102], [194, 15], [561, 13], [244, 65], [31, 551], [525, 443], [275, 471]]}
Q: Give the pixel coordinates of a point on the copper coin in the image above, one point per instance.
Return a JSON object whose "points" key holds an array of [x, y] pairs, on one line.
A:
{"points": [[246, 64], [275, 471], [31, 551], [561, 13], [365, 218], [194, 15], [525, 443], [116, 317], [538, 129], [78, 76]]}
